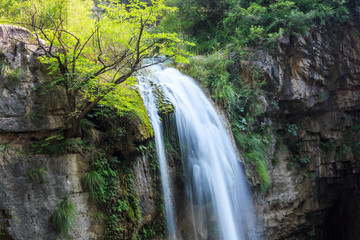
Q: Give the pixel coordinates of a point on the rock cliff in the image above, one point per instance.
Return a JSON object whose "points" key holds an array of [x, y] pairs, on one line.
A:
{"points": [[313, 102], [34, 182]]}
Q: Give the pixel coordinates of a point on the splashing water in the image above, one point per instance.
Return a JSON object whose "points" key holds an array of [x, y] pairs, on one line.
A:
{"points": [[215, 183]]}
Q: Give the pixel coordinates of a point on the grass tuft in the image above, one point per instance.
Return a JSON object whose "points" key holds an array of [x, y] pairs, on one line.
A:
{"points": [[95, 184], [64, 217], [254, 147], [38, 175]]}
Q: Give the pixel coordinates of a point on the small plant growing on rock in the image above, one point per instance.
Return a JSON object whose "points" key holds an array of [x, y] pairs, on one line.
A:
{"points": [[304, 160], [12, 75], [64, 217], [2, 149], [2, 232], [292, 129], [38, 175], [35, 115], [141, 148], [328, 146], [95, 184], [301, 160], [15, 75]]}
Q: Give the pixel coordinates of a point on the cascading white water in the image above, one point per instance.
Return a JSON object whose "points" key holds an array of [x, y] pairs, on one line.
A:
{"points": [[149, 99], [215, 183]]}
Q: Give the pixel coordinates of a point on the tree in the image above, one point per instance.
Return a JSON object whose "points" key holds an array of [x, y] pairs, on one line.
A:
{"points": [[92, 48]]}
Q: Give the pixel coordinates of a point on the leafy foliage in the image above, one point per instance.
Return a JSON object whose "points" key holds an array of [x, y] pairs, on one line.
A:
{"points": [[292, 129], [253, 23], [328, 146], [83, 50], [263, 22], [110, 184], [64, 217]]}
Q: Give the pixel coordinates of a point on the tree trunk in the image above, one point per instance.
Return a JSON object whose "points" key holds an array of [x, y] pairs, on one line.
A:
{"points": [[74, 127], [74, 121]]}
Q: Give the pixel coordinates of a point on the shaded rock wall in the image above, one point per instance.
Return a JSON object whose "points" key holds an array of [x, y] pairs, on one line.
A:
{"points": [[313, 86]]}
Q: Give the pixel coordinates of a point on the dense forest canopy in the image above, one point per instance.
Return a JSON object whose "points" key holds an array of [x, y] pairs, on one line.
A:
{"points": [[213, 23]]}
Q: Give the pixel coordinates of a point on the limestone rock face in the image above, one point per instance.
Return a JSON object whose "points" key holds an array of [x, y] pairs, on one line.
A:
{"points": [[27, 204], [144, 188], [314, 82], [32, 185], [22, 108]]}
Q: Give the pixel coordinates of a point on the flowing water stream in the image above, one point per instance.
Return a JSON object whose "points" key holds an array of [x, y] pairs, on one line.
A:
{"points": [[150, 101], [215, 184]]}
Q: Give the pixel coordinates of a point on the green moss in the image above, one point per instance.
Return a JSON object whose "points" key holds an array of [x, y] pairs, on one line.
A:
{"points": [[126, 101], [15, 75], [164, 105], [254, 148]]}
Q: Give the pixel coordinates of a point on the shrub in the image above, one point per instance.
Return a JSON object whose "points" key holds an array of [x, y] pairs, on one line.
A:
{"points": [[213, 24]]}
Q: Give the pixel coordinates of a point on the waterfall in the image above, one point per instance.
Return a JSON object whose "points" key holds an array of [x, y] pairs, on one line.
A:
{"points": [[215, 184], [149, 98]]}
